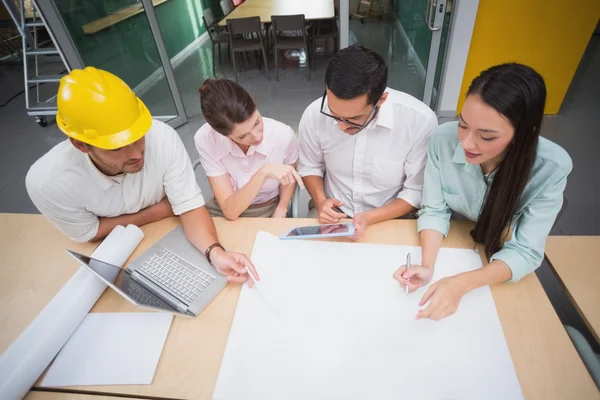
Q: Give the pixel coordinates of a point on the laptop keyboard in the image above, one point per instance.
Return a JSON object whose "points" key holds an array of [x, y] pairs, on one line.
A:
{"points": [[141, 295], [174, 275]]}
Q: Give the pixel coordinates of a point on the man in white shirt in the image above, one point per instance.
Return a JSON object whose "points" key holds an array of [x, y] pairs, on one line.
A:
{"points": [[363, 146], [120, 167]]}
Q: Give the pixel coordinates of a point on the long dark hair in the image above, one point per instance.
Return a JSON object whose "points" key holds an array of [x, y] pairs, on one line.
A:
{"points": [[224, 104], [518, 93]]}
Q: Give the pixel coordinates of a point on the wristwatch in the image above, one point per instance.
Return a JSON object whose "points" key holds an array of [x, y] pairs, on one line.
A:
{"points": [[209, 249]]}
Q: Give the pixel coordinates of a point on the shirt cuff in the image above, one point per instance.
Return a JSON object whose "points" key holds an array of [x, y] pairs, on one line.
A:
{"points": [[309, 171], [215, 173], [516, 262], [411, 196], [442, 225], [189, 205]]}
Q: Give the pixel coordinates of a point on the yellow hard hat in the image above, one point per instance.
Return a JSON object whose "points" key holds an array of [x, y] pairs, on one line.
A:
{"points": [[99, 109]]}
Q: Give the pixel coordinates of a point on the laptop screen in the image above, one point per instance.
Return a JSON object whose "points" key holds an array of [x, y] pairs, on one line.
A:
{"points": [[121, 281]]}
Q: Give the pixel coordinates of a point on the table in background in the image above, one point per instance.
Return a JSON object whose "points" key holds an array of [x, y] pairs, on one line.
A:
{"points": [[312, 9]]}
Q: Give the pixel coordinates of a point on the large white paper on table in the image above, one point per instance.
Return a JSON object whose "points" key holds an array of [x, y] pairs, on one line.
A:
{"points": [[345, 330], [29, 355], [111, 349]]}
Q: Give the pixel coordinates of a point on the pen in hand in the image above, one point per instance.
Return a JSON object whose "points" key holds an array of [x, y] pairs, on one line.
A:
{"points": [[260, 291]]}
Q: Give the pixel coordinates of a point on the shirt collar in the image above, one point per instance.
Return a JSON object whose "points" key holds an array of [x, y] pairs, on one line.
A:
{"points": [[459, 155], [225, 146], [104, 182], [264, 147], [459, 158], [385, 116]]}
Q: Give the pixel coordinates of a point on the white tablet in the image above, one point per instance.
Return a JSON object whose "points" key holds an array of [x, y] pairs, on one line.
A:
{"points": [[319, 231]]}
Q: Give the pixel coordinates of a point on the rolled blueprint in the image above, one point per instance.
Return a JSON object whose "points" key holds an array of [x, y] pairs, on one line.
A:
{"points": [[31, 353]]}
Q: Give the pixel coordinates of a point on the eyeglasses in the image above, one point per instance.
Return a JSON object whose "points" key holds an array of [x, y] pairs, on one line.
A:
{"points": [[370, 117]]}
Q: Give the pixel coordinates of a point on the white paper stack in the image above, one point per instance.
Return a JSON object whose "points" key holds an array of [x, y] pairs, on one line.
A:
{"points": [[345, 330], [111, 349]]}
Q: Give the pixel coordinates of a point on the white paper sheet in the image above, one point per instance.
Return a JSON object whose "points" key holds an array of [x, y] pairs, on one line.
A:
{"points": [[29, 355], [347, 331], [111, 349]]}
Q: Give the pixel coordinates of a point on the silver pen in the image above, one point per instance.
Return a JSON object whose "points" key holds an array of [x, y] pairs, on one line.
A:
{"points": [[407, 268], [260, 291]]}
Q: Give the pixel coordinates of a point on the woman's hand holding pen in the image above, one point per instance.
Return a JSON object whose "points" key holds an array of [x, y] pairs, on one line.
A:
{"points": [[444, 296], [415, 277]]}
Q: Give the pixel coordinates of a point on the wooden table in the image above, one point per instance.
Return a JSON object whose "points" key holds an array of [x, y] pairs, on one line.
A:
{"points": [[576, 261], [546, 362], [33, 268], [312, 9]]}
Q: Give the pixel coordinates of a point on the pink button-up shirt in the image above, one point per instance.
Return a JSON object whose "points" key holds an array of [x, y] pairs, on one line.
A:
{"points": [[220, 155]]}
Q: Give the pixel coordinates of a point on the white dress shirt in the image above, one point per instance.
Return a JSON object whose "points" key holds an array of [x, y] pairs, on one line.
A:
{"points": [[72, 193], [383, 162]]}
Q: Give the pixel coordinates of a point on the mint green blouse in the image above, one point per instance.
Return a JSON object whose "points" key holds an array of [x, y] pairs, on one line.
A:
{"points": [[452, 184]]}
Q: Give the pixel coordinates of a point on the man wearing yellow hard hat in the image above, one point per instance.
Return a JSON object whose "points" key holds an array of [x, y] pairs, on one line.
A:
{"points": [[120, 167]]}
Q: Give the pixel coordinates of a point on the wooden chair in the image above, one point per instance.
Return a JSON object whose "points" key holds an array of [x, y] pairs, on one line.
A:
{"points": [[290, 32], [245, 35], [218, 35], [324, 30], [226, 6]]}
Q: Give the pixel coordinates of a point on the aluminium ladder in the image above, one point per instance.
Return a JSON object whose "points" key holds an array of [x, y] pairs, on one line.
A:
{"points": [[32, 50]]}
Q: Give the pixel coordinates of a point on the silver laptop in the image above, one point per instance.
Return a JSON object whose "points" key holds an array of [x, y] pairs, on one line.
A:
{"points": [[171, 276]]}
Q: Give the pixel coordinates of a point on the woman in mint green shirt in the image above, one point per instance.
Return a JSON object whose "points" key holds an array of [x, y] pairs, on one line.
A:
{"points": [[491, 167]]}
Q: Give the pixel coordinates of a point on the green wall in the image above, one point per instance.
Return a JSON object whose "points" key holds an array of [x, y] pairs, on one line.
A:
{"points": [[127, 48]]}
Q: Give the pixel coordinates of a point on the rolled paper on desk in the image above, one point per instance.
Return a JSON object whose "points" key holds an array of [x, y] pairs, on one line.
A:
{"points": [[31, 353]]}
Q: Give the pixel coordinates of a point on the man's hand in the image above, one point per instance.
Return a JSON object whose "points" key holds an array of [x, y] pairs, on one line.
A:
{"points": [[327, 215], [360, 222], [157, 212], [161, 210], [232, 265]]}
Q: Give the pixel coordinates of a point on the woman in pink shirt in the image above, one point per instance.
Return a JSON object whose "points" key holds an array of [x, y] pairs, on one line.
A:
{"points": [[250, 161]]}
